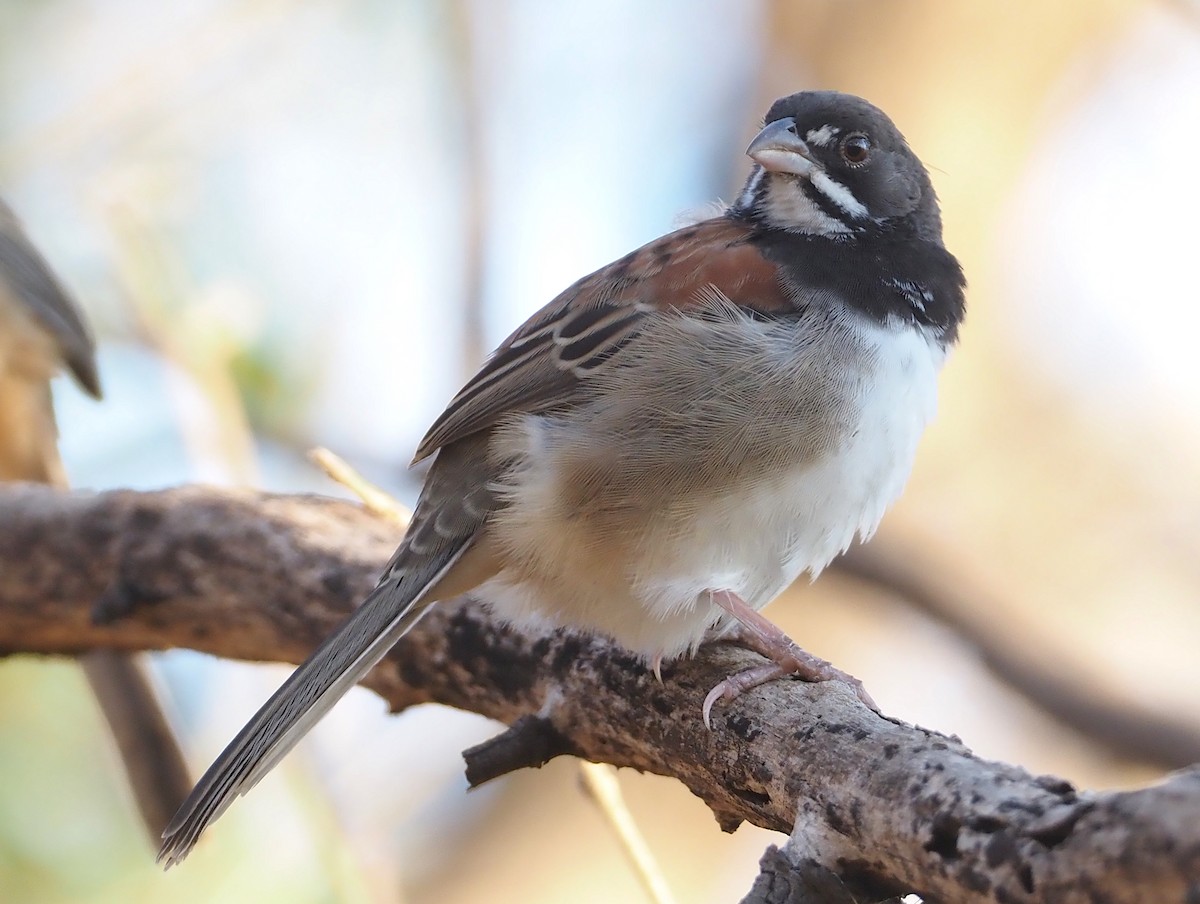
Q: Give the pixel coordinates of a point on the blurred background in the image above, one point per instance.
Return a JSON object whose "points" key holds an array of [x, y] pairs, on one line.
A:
{"points": [[297, 223]]}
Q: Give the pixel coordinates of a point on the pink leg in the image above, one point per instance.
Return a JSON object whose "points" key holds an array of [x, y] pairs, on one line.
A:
{"points": [[763, 636]]}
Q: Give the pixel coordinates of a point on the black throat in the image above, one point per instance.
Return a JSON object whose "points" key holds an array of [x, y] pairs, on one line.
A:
{"points": [[887, 274]]}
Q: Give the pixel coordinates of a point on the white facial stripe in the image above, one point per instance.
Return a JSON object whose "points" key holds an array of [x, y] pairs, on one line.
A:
{"points": [[788, 207], [822, 137], [838, 194]]}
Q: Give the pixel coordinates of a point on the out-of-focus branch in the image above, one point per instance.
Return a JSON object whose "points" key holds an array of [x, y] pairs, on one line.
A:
{"points": [[885, 806], [1029, 664]]}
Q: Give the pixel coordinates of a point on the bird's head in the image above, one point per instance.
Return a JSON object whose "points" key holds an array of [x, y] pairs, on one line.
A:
{"points": [[833, 164]]}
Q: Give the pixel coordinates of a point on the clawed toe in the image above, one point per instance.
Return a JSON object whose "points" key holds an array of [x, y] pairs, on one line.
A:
{"points": [[737, 684], [786, 658]]}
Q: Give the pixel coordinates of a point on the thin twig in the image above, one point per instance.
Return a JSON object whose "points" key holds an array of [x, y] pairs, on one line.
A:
{"points": [[603, 787], [374, 500]]}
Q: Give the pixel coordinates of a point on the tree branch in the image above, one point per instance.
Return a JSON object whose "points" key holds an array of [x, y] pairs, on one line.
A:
{"points": [[886, 807]]}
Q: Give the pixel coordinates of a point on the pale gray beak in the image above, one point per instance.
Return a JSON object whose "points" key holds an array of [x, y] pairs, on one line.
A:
{"points": [[779, 149]]}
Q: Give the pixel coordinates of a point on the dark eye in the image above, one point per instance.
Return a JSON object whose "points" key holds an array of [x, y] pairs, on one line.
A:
{"points": [[856, 148]]}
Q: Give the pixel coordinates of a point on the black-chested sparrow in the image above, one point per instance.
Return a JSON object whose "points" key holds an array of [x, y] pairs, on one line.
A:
{"points": [[667, 445]]}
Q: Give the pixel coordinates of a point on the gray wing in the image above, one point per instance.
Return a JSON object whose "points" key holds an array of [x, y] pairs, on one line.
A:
{"points": [[546, 363], [29, 279], [537, 368]]}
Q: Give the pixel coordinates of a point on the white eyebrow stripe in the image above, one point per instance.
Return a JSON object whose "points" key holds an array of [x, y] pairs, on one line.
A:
{"points": [[822, 137], [837, 193], [790, 208]]}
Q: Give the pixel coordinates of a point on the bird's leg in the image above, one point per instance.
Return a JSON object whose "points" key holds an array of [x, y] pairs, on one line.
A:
{"points": [[763, 636]]}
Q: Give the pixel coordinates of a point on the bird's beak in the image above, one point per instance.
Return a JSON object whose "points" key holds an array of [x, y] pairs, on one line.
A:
{"points": [[778, 149]]}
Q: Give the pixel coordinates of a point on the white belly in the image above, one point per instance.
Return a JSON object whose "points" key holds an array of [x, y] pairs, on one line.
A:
{"points": [[632, 549]]}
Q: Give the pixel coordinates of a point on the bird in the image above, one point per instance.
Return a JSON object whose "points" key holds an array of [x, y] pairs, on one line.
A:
{"points": [[667, 445], [42, 332]]}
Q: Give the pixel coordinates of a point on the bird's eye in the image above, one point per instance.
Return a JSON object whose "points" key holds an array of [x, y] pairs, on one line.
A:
{"points": [[856, 148]]}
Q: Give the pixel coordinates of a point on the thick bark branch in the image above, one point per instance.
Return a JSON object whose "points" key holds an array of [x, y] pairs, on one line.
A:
{"points": [[887, 807]]}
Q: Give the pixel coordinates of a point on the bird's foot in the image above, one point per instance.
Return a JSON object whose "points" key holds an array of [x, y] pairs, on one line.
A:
{"points": [[760, 634]]}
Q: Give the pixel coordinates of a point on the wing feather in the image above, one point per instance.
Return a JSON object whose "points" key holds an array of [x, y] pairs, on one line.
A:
{"points": [[547, 361]]}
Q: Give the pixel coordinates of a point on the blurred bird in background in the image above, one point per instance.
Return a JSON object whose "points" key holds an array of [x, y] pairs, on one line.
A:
{"points": [[42, 331]]}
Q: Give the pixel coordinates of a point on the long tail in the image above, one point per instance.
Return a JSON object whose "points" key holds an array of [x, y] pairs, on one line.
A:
{"points": [[341, 661]]}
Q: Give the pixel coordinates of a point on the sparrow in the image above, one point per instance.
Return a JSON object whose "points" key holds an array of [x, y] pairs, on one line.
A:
{"points": [[42, 331], [666, 446]]}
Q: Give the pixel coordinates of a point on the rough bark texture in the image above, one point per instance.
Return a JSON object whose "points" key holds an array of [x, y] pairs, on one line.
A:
{"points": [[886, 807]]}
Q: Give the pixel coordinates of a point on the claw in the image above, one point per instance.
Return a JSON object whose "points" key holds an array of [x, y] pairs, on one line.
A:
{"points": [[737, 684], [656, 666], [713, 696], [760, 635]]}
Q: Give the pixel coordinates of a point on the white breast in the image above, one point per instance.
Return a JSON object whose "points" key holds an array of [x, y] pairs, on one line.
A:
{"points": [[624, 531]]}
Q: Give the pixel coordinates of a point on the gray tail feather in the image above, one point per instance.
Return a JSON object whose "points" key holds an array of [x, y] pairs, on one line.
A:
{"points": [[341, 661]]}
